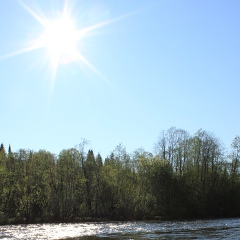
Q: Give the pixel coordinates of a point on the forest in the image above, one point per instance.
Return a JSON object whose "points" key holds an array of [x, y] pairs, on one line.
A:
{"points": [[187, 177]]}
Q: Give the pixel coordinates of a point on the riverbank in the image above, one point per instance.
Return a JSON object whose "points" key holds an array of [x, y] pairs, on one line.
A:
{"points": [[95, 220]]}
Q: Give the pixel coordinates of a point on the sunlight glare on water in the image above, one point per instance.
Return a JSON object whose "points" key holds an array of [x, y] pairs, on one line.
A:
{"points": [[200, 229]]}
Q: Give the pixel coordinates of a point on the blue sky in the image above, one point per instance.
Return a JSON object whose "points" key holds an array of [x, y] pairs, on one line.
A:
{"points": [[158, 64]]}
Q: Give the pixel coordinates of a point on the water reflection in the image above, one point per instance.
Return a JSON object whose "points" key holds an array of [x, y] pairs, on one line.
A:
{"points": [[201, 229]]}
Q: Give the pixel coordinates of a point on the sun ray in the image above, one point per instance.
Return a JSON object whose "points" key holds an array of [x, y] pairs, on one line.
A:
{"points": [[21, 51], [90, 66], [104, 23], [31, 12]]}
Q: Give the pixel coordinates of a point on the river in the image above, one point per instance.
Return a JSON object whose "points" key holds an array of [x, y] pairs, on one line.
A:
{"points": [[199, 229]]}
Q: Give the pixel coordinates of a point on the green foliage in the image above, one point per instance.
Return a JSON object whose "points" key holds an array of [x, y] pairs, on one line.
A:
{"points": [[188, 177]]}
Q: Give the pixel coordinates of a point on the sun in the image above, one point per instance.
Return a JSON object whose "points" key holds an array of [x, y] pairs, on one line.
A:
{"points": [[61, 38]]}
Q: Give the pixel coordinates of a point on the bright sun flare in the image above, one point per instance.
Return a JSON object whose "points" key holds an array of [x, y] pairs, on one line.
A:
{"points": [[60, 38]]}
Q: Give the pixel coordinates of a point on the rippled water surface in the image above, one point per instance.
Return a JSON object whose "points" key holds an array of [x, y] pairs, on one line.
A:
{"points": [[200, 229]]}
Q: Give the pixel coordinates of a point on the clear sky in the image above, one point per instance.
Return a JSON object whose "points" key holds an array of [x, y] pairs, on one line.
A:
{"points": [[142, 67]]}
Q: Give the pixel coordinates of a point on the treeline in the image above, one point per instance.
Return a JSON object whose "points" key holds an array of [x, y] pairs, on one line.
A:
{"points": [[187, 177]]}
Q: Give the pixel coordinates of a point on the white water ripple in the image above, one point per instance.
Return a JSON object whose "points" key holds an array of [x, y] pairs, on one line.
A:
{"points": [[200, 229]]}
